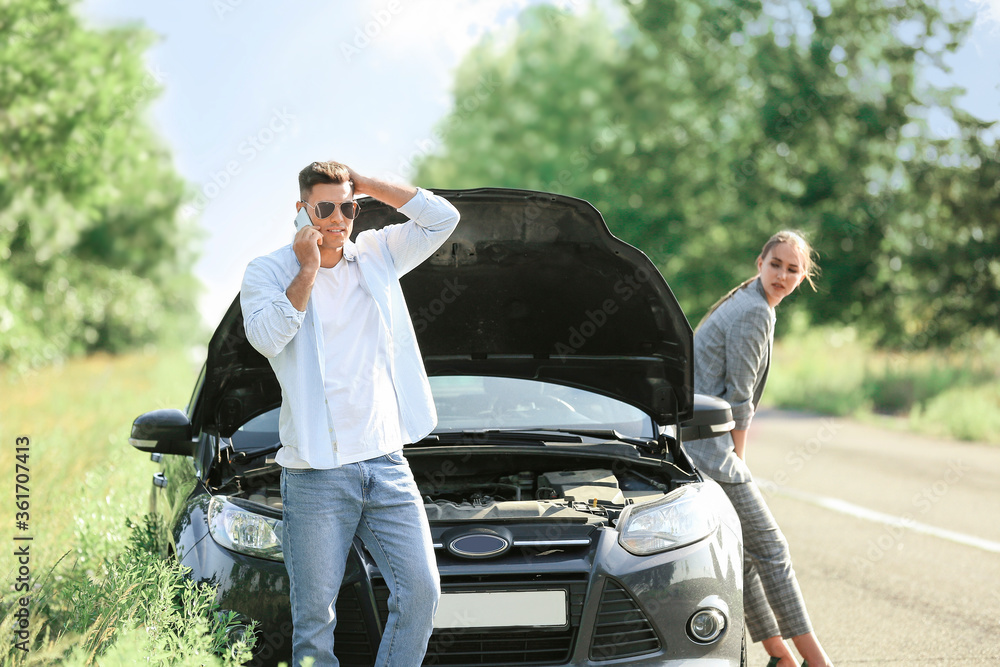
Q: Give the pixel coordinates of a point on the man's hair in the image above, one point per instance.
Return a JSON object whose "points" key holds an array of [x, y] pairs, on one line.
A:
{"points": [[323, 172]]}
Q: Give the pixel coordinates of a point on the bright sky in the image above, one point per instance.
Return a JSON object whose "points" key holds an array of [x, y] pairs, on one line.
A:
{"points": [[254, 91]]}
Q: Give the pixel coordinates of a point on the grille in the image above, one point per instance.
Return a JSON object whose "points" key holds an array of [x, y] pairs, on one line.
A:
{"points": [[455, 647], [502, 646], [621, 629]]}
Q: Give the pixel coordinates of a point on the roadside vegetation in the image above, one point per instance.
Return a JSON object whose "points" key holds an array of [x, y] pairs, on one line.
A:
{"points": [[953, 393], [99, 591]]}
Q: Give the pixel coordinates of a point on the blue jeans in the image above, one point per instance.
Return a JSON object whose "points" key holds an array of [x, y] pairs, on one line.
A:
{"points": [[378, 501]]}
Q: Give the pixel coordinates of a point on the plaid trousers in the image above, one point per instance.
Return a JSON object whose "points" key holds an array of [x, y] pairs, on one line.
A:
{"points": [[772, 601]]}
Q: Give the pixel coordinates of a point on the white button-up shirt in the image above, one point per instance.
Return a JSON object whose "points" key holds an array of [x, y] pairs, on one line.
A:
{"points": [[293, 341]]}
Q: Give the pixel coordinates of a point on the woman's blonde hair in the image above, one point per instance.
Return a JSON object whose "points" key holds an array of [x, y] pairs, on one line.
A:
{"points": [[795, 239]]}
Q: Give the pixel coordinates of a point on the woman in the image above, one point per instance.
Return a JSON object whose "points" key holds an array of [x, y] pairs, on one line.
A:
{"points": [[732, 350]]}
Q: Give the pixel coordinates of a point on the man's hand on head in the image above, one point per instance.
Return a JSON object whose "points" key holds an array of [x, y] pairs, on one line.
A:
{"points": [[359, 182], [393, 194]]}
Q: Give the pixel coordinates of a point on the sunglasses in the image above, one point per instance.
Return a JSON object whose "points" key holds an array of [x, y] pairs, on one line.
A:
{"points": [[325, 209]]}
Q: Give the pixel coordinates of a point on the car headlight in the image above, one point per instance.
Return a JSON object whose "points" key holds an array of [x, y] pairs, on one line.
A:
{"points": [[244, 531], [685, 515]]}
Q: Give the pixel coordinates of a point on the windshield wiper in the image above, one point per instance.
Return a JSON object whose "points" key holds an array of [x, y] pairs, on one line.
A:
{"points": [[544, 435], [495, 435], [606, 434]]}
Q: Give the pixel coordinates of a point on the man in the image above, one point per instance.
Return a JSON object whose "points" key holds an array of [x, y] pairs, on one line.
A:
{"points": [[330, 316]]}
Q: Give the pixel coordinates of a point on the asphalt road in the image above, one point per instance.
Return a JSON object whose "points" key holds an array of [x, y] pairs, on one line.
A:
{"points": [[895, 538]]}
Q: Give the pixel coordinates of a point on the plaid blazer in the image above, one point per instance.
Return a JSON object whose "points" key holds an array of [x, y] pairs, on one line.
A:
{"points": [[732, 354]]}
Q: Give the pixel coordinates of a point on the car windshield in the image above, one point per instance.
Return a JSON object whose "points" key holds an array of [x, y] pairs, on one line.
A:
{"points": [[466, 402]]}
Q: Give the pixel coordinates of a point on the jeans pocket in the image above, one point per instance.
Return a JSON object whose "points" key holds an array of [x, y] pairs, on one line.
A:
{"points": [[396, 457]]}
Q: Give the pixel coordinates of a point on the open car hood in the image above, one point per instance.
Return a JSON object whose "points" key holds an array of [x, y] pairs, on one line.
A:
{"points": [[530, 285]]}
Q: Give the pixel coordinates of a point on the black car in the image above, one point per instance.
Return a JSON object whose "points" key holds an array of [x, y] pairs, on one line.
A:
{"points": [[570, 527]]}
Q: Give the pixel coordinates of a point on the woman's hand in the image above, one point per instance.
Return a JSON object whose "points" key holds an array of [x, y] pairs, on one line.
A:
{"points": [[740, 443]]}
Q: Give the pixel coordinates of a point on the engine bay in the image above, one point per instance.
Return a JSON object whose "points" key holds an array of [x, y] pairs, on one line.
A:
{"points": [[503, 485]]}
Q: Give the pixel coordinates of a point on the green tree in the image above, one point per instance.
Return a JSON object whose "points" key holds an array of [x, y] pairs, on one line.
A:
{"points": [[95, 256], [700, 128]]}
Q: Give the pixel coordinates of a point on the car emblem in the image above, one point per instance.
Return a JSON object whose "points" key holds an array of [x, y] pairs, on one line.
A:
{"points": [[480, 544]]}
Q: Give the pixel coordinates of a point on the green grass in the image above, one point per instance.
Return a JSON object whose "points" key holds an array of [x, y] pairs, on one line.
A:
{"points": [[949, 393], [98, 593], [966, 413]]}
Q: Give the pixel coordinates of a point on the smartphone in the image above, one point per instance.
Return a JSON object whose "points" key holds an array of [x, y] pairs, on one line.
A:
{"points": [[302, 219]]}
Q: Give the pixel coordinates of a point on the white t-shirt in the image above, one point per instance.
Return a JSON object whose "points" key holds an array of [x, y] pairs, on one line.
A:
{"points": [[359, 388]]}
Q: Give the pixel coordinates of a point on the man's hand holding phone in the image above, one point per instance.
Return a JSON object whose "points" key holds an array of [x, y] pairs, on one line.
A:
{"points": [[307, 241]]}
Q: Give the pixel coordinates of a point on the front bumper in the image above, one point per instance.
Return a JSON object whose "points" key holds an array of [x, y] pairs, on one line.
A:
{"points": [[622, 609]]}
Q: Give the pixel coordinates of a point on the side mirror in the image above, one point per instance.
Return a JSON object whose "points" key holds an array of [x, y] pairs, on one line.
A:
{"points": [[712, 416], [163, 431]]}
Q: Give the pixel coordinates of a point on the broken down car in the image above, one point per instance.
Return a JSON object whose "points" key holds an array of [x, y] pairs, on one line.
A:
{"points": [[569, 526]]}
